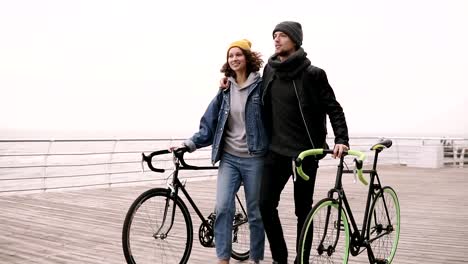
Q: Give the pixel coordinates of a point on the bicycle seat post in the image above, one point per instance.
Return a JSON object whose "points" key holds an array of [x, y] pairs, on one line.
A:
{"points": [[376, 156]]}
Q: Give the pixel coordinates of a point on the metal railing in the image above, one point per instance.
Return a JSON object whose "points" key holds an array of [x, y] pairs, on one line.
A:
{"points": [[43, 165]]}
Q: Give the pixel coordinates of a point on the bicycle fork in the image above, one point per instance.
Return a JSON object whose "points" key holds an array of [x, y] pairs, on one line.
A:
{"points": [[160, 234]]}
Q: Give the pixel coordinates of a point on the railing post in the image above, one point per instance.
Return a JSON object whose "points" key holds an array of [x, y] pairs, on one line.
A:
{"points": [[461, 162], [455, 153], [109, 164], [44, 170]]}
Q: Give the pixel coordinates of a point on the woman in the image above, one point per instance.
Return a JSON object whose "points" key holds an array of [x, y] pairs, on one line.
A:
{"points": [[233, 125]]}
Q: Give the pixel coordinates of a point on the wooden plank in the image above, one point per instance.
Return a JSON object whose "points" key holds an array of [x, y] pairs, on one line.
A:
{"points": [[84, 226]]}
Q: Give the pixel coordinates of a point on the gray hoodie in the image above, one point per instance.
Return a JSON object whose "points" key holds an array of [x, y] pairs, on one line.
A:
{"points": [[235, 142]]}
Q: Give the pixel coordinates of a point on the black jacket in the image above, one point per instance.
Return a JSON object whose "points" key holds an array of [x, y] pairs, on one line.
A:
{"points": [[316, 99]]}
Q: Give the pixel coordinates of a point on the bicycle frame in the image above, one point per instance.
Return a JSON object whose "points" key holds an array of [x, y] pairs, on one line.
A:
{"points": [[358, 238], [176, 185]]}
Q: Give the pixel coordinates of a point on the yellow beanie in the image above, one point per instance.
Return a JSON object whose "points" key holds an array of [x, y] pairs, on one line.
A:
{"points": [[244, 44]]}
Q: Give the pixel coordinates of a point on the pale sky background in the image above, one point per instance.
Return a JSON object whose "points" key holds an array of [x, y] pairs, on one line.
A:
{"points": [[131, 68]]}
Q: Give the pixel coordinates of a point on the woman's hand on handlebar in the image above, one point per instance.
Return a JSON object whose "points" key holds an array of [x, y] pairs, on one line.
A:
{"points": [[338, 150], [175, 148], [179, 150]]}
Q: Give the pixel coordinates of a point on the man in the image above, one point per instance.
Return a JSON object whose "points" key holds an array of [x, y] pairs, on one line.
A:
{"points": [[297, 98]]}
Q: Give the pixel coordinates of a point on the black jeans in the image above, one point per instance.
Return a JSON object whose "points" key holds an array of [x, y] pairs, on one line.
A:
{"points": [[277, 171]]}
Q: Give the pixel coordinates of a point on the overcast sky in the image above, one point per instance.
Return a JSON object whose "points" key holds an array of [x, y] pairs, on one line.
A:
{"points": [[397, 67]]}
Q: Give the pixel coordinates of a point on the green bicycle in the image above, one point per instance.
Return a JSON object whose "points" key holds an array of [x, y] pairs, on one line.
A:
{"points": [[330, 231]]}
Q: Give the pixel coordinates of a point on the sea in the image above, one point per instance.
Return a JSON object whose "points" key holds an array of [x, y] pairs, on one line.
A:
{"points": [[41, 160]]}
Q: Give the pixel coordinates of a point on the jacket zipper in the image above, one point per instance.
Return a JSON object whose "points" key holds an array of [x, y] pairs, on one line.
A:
{"points": [[302, 115], [305, 124]]}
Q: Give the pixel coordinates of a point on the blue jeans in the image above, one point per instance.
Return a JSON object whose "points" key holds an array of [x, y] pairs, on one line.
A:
{"points": [[232, 172]]}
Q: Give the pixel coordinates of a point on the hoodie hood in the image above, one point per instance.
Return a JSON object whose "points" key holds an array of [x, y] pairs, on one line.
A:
{"points": [[253, 77]]}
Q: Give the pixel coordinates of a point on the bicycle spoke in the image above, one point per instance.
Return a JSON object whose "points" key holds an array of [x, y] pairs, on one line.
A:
{"points": [[329, 235], [141, 242], [241, 231], [384, 225]]}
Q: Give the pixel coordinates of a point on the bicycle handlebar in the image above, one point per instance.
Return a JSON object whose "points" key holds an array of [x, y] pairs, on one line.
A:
{"points": [[312, 152], [178, 154], [148, 159]]}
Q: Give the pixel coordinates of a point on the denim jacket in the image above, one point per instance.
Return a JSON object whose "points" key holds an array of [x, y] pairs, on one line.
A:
{"points": [[213, 123]]}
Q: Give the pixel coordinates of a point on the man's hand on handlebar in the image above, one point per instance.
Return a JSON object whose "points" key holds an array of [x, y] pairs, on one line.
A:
{"points": [[338, 150]]}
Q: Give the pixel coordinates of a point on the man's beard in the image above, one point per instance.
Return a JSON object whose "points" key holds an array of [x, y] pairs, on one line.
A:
{"points": [[285, 53]]}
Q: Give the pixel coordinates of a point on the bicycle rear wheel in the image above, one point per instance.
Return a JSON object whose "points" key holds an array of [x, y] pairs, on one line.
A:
{"points": [[324, 235], [148, 237], [240, 231], [383, 227]]}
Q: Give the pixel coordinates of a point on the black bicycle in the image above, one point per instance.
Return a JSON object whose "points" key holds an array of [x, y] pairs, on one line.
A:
{"points": [[330, 231], [158, 227]]}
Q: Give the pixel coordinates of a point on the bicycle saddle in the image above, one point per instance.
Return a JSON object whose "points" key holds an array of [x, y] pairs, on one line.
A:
{"points": [[384, 143]]}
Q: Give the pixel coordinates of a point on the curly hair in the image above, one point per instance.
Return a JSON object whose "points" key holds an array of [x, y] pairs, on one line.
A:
{"points": [[253, 63]]}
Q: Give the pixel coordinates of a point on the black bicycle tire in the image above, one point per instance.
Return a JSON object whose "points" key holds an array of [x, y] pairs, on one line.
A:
{"points": [[396, 205], [241, 256], [244, 254], [307, 227], [137, 203]]}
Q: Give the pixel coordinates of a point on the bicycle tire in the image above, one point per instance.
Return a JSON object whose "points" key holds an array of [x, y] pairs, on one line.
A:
{"points": [[142, 222], [324, 235], [384, 245], [240, 232]]}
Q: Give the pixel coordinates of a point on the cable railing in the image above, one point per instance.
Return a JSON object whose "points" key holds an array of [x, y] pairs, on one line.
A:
{"points": [[45, 165]]}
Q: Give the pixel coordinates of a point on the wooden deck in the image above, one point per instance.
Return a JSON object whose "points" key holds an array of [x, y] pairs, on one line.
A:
{"points": [[84, 226]]}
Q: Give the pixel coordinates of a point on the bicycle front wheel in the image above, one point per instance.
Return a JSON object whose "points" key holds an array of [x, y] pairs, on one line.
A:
{"points": [[383, 227], [325, 235], [151, 235]]}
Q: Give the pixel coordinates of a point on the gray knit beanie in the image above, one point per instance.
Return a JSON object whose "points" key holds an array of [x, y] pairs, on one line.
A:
{"points": [[292, 29]]}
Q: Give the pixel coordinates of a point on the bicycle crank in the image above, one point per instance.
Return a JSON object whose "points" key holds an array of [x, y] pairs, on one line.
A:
{"points": [[205, 233]]}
